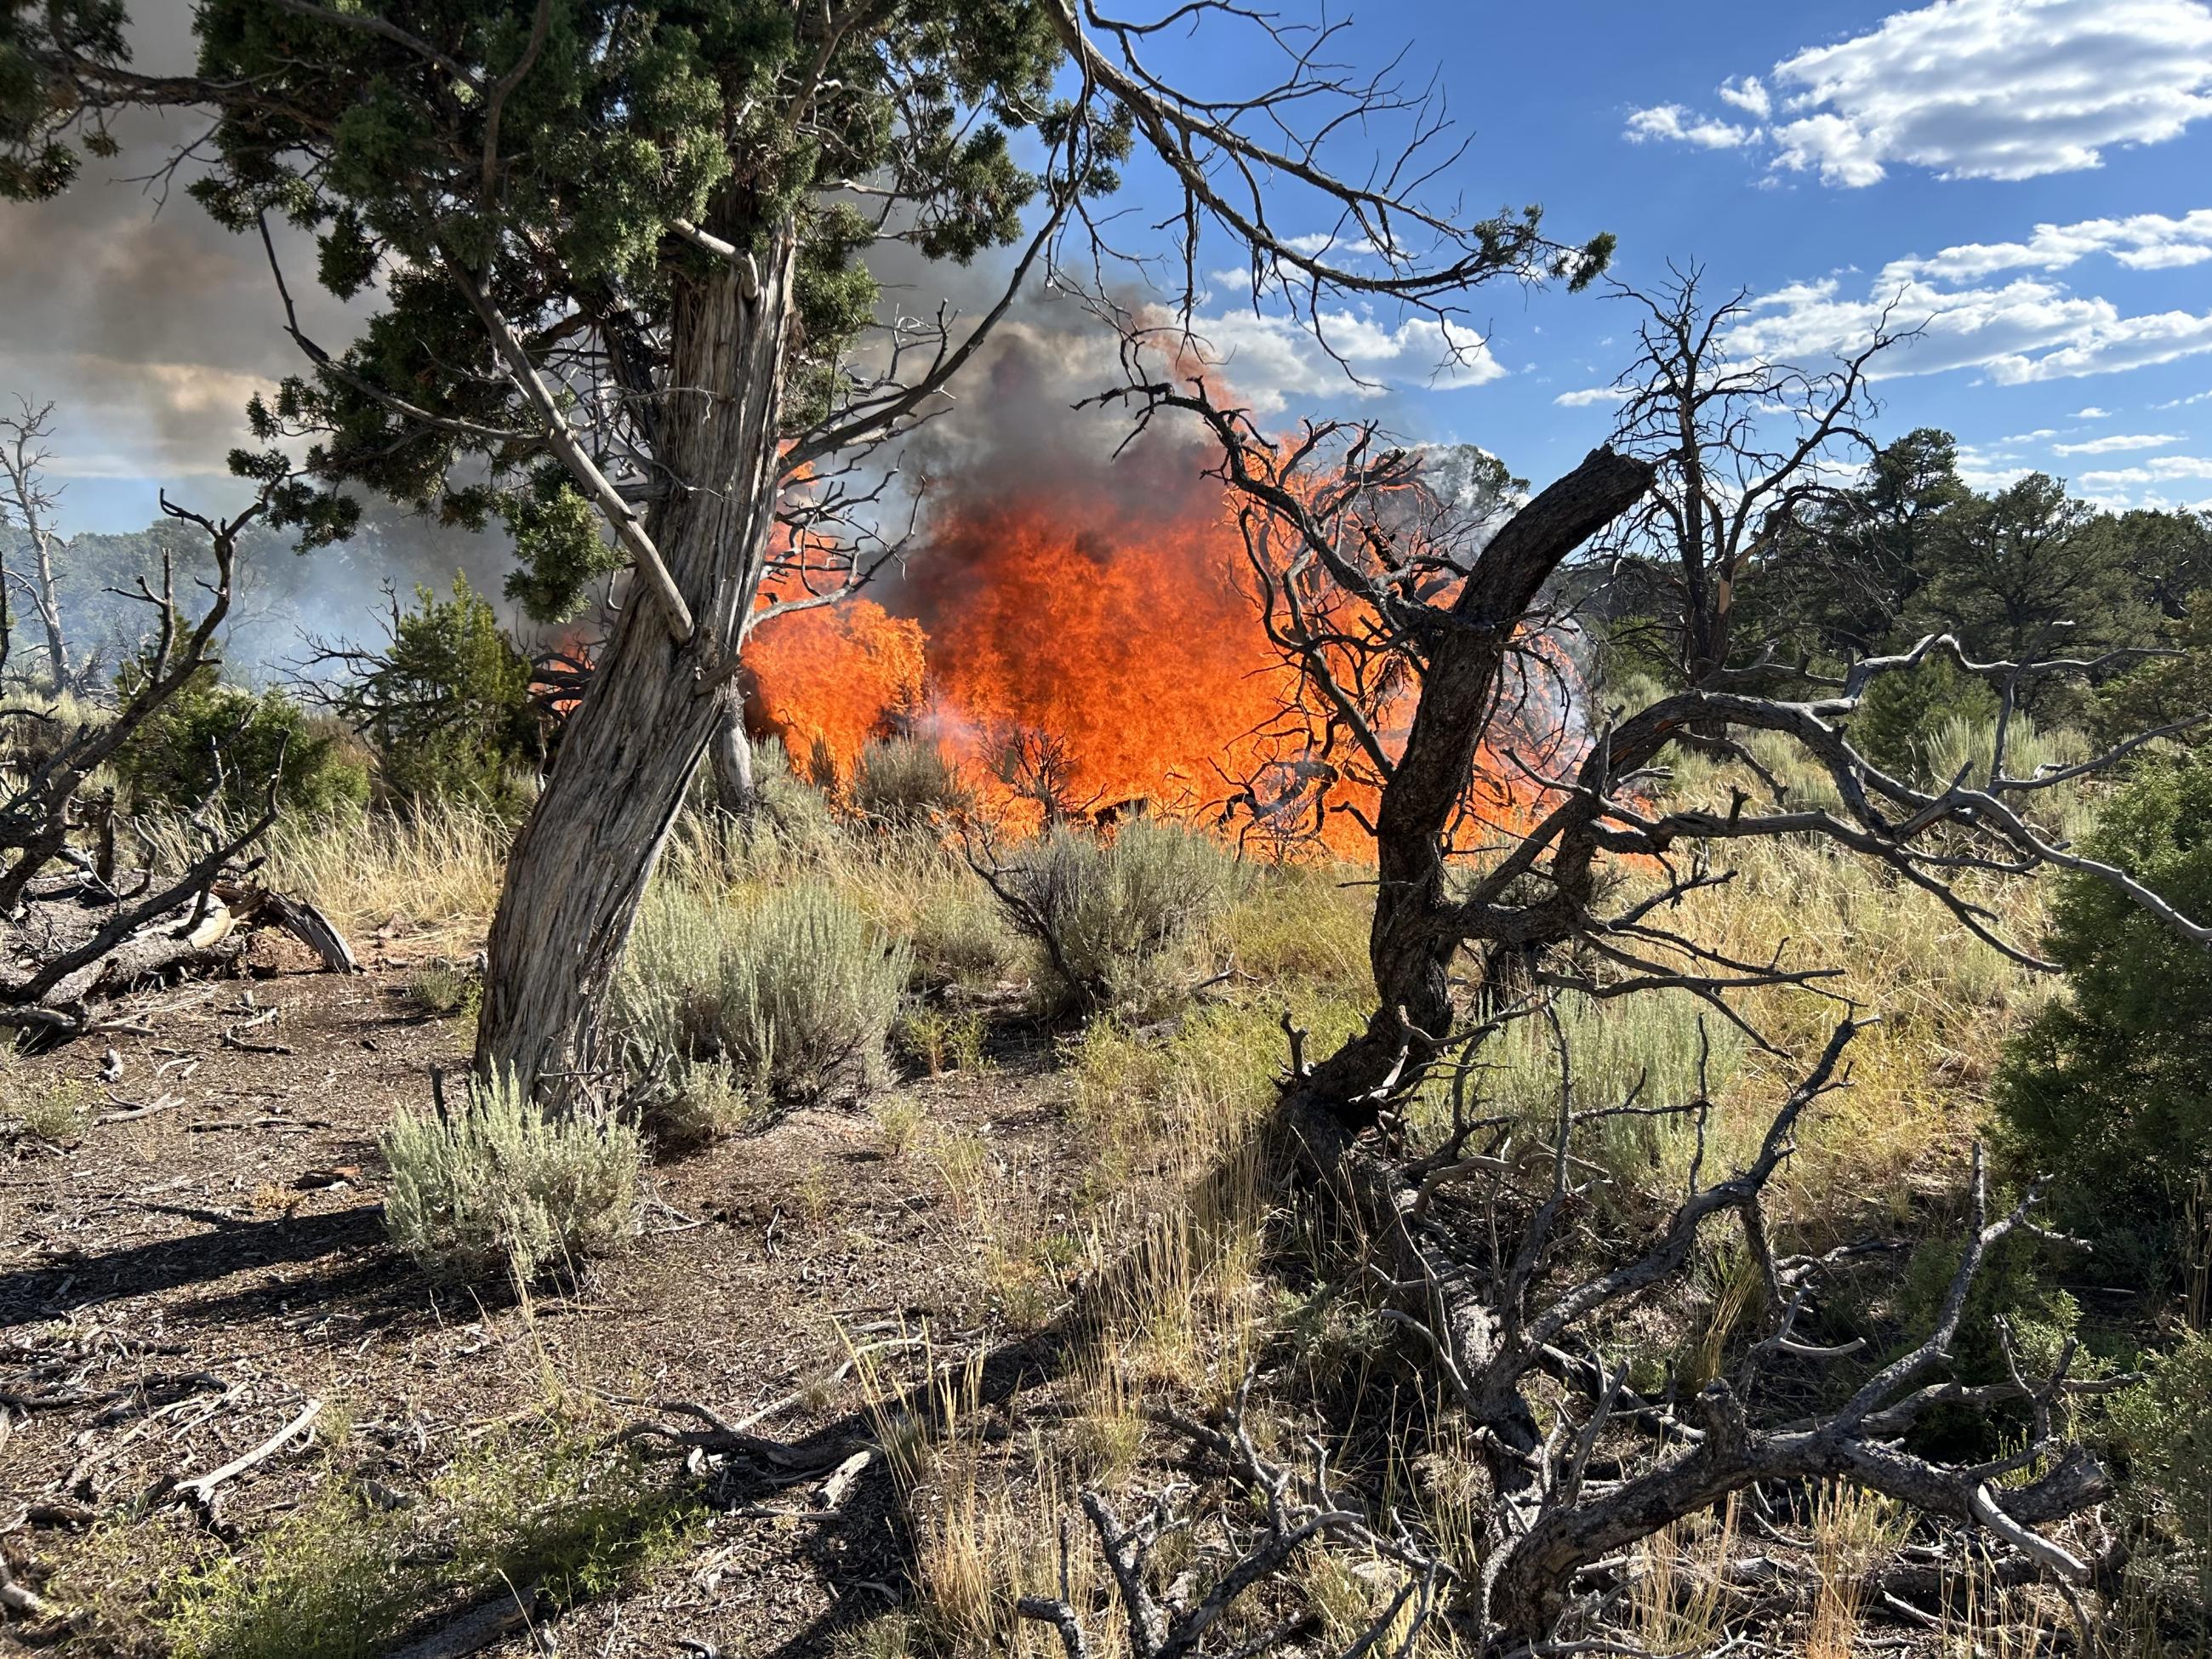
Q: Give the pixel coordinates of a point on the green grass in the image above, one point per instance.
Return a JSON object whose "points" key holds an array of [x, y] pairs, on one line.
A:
{"points": [[39, 1105], [342, 1577]]}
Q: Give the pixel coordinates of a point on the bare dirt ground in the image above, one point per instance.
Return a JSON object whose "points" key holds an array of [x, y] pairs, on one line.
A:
{"points": [[176, 1288]]}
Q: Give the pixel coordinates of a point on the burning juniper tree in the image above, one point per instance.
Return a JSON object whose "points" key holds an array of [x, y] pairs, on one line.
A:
{"points": [[626, 304]]}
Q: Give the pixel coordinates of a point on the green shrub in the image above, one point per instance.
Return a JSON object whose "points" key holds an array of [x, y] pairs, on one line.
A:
{"points": [[1118, 918], [2165, 1426], [905, 783], [445, 988], [960, 936], [697, 1101], [339, 1576], [503, 1186], [209, 734], [2110, 1087], [1901, 716], [794, 992], [445, 704], [791, 822]]}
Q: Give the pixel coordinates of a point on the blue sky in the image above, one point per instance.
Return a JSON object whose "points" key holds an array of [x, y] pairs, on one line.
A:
{"points": [[2020, 173], [2023, 172]]}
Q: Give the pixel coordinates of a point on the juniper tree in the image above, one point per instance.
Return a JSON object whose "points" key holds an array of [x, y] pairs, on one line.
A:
{"points": [[623, 299]]}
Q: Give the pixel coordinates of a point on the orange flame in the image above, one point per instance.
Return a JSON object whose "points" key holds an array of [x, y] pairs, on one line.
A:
{"points": [[828, 679], [1064, 642]]}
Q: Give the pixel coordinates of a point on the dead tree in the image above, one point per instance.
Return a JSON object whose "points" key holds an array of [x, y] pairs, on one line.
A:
{"points": [[1512, 1336], [1743, 449], [1545, 902], [26, 496], [73, 924]]}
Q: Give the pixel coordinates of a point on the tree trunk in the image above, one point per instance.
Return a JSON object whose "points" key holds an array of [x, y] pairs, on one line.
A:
{"points": [[629, 753], [1412, 944], [732, 758], [50, 612]]}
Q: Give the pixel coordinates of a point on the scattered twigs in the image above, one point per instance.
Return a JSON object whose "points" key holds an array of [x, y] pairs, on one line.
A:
{"points": [[131, 1114], [1302, 1509], [231, 1037]]}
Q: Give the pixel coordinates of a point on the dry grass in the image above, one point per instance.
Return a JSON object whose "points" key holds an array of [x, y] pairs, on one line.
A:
{"points": [[436, 871], [1854, 1532], [1679, 1601]]}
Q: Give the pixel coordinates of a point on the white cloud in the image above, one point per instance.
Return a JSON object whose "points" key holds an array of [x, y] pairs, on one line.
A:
{"points": [[2024, 329], [1974, 90], [2164, 469], [1268, 360], [1672, 121], [1984, 471], [2092, 413], [2182, 403], [1592, 394], [2145, 241], [1342, 245], [1749, 95], [2117, 442]]}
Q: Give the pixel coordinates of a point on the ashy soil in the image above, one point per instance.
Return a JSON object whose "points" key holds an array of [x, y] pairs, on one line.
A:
{"points": [[177, 1287]]}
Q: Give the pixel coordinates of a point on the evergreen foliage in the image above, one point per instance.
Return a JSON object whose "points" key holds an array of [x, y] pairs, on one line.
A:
{"points": [[214, 742], [2111, 1086], [446, 704]]}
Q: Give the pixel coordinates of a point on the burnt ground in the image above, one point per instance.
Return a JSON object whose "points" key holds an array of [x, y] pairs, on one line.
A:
{"points": [[176, 1288]]}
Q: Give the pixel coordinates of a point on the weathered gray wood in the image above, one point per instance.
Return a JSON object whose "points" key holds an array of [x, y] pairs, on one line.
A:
{"points": [[629, 753]]}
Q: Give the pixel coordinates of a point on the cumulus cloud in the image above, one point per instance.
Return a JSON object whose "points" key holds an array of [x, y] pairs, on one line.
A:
{"points": [[2165, 469], [1994, 307], [2092, 413], [2143, 241], [1748, 95], [1592, 394], [1270, 359], [1666, 122], [1972, 90], [2117, 443]]}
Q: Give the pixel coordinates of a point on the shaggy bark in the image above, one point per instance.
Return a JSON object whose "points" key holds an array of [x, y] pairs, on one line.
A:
{"points": [[629, 751]]}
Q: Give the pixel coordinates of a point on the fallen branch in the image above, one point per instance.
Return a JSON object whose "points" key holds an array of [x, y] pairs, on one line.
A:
{"points": [[477, 1629], [152, 1109], [200, 1489]]}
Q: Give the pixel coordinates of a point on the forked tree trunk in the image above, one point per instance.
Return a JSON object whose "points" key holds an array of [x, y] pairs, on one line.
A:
{"points": [[629, 751], [1414, 936]]}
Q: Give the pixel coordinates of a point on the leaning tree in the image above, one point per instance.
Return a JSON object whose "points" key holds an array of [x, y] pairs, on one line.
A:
{"points": [[622, 258], [1479, 924]]}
